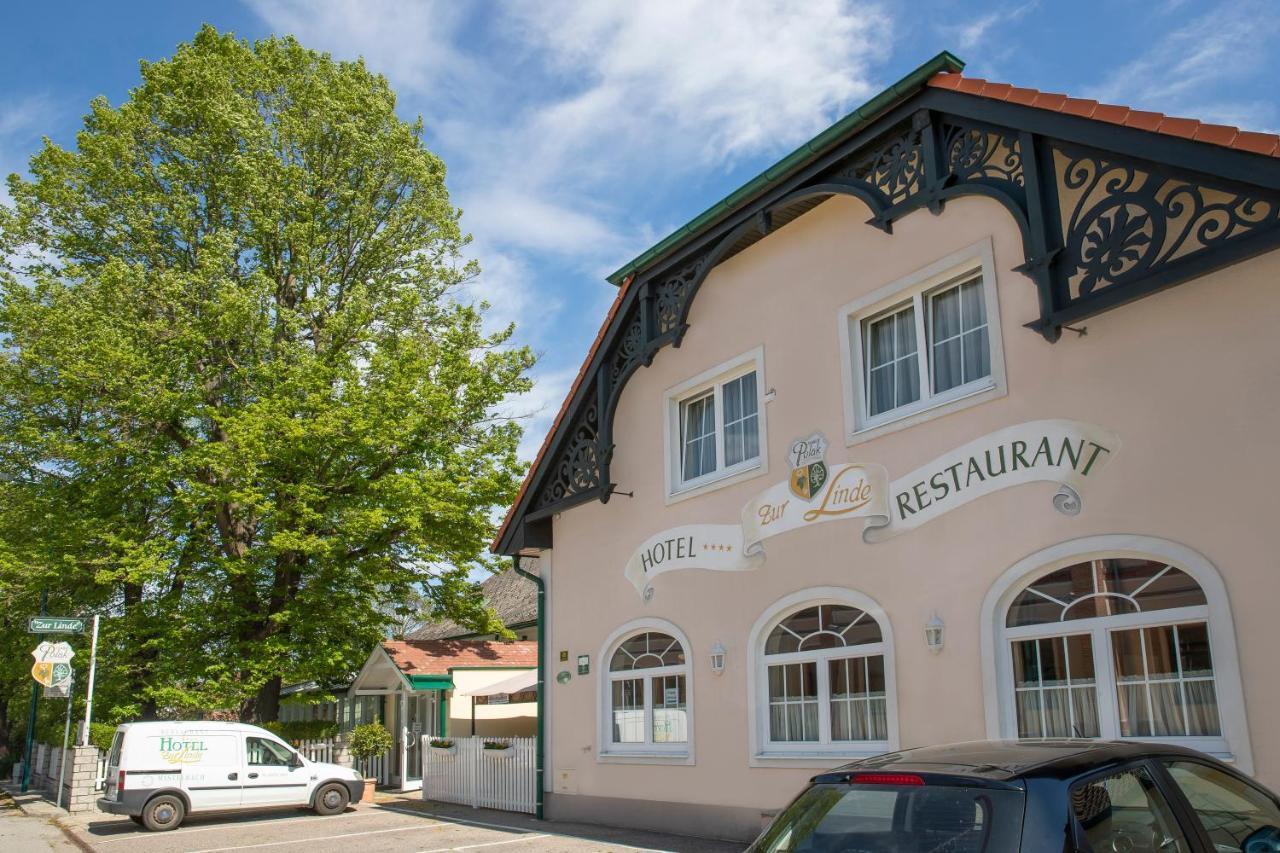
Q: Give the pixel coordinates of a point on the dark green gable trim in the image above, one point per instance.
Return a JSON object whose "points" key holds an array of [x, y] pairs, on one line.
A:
{"points": [[797, 159], [430, 682]]}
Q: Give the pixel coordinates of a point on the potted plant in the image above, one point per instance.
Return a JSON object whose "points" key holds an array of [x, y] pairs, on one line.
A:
{"points": [[438, 744], [497, 749], [369, 741]]}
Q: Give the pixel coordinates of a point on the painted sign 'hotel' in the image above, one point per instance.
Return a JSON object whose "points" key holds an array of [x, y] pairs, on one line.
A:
{"points": [[958, 423]]}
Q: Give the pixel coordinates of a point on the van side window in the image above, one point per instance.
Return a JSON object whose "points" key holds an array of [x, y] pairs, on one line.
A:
{"points": [[265, 753]]}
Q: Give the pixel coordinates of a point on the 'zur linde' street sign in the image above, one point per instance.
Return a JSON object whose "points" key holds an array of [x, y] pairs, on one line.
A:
{"points": [[55, 625]]}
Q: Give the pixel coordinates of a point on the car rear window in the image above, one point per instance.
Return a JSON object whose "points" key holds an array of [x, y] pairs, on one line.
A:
{"points": [[896, 819], [113, 757]]}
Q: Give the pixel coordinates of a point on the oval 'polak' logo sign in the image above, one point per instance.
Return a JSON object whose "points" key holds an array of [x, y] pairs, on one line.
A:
{"points": [[807, 458]]}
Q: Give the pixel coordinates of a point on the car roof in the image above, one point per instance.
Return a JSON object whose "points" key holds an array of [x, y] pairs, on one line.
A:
{"points": [[206, 725], [1004, 760]]}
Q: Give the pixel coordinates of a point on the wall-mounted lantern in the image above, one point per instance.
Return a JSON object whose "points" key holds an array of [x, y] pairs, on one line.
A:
{"points": [[717, 659], [933, 634]]}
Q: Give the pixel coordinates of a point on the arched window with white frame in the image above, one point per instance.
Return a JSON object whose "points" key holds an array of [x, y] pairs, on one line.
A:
{"points": [[645, 701], [1116, 637], [823, 679]]}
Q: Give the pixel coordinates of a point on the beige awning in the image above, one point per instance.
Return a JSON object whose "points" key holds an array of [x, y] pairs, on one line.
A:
{"points": [[526, 680]]}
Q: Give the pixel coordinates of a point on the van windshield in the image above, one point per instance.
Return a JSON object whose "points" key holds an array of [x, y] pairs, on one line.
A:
{"points": [[882, 818]]}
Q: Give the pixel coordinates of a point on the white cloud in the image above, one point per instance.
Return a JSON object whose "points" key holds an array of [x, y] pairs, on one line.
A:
{"points": [[538, 222], [969, 36], [537, 409], [408, 40], [718, 78], [22, 121], [1184, 71], [506, 281]]}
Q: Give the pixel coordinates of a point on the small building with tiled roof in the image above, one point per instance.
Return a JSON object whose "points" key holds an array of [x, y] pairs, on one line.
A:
{"points": [[447, 688], [958, 422]]}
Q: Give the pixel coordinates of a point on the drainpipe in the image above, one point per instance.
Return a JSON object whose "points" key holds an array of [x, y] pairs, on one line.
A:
{"points": [[542, 651]]}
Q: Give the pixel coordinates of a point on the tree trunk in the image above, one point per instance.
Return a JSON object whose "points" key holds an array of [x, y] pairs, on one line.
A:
{"points": [[267, 702]]}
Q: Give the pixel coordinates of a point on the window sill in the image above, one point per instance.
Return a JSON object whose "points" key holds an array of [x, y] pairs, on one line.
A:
{"points": [[817, 760], [991, 391], [738, 476], [674, 758]]}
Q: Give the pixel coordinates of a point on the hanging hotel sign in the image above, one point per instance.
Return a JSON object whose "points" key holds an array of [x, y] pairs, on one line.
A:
{"points": [[1056, 451]]}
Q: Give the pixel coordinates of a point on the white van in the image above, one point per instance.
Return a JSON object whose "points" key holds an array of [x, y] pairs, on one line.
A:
{"points": [[158, 773]]}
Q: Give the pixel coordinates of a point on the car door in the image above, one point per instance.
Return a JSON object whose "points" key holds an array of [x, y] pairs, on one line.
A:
{"points": [[271, 777], [211, 767], [1125, 809], [1235, 814]]}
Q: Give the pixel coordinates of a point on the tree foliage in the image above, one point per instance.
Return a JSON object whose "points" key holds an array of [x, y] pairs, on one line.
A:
{"points": [[241, 409]]}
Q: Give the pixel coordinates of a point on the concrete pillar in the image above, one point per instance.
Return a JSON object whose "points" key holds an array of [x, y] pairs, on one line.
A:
{"points": [[80, 793], [342, 750]]}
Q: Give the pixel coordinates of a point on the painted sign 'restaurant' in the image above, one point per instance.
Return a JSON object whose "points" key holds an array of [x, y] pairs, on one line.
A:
{"points": [[1062, 452], [1057, 451]]}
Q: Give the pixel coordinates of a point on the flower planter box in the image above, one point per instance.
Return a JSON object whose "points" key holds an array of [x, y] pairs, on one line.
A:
{"points": [[443, 750], [499, 753]]}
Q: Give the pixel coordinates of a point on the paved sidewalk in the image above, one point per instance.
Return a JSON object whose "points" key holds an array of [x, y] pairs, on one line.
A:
{"points": [[393, 824], [27, 825]]}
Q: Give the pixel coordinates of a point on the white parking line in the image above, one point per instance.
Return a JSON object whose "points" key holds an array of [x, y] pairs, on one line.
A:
{"points": [[321, 838], [132, 833], [485, 844], [452, 819]]}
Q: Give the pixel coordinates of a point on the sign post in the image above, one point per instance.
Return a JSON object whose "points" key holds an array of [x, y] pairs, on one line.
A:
{"points": [[66, 735], [31, 715], [93, 666]]}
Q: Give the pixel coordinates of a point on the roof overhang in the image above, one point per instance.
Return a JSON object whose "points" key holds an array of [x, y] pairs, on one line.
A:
{"points": [[1215, 171]]}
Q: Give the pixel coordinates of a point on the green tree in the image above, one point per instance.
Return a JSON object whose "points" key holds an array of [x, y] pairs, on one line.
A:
{"points": [[240, 397]]}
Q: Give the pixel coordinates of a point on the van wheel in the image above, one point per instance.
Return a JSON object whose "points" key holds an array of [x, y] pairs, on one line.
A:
{"points": [[163, 813], [331, 799]]}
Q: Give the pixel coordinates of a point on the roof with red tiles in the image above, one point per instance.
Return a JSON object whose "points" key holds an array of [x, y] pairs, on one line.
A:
{"points": [[1213, 134], [1186, 128], [438, 657]]}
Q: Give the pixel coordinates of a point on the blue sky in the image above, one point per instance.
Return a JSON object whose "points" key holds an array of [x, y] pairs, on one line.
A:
{"points": [[579, 133]]}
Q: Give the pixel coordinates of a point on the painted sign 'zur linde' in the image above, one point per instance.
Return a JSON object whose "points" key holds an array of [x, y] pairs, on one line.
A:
{"points": [[1055, 451]]}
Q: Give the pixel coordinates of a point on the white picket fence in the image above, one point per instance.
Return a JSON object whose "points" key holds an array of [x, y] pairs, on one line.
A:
{"points": [[317, 750], [469, 774], [378, 767], [100, 778]]}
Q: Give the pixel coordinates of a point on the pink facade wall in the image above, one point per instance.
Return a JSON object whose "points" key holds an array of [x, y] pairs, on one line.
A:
{"points": [[1189, 379]]}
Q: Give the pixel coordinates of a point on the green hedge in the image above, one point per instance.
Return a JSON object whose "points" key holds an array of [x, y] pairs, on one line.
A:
{"points": [[303, 729]]}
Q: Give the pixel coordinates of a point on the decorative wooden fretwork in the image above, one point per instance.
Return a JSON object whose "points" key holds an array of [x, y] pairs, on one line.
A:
{"points": [[577, 466], [1107, 215], [1123, 221]]}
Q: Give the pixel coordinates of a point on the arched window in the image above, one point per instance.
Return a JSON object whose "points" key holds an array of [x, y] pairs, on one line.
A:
{"points": [[1114, 647], [647, 694], [823, 678]]}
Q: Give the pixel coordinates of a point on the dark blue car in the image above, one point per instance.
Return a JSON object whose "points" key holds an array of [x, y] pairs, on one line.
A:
{"points": [[1043, 796]]}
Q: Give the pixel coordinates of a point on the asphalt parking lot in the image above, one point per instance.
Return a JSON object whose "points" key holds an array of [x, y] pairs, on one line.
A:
{"points": [[401, 826]]}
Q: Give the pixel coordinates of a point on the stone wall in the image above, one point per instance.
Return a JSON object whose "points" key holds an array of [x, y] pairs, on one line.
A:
{"points": [[79, 777]]}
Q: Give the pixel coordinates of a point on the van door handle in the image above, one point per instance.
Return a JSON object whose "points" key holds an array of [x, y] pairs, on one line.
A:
{"points": [[253, 775], [233, 776]]}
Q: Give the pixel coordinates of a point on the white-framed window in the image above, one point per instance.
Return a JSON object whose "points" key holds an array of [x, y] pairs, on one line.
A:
{"points": [[716, 426], [823, 679], [1115, 648], [924, 345], [645, 698]]}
